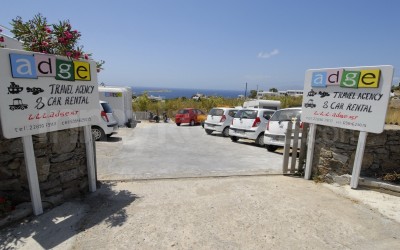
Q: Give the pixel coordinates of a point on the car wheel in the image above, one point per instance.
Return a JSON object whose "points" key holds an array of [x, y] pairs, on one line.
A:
{"points": [[234, 138], [178, 124], [98, 133], [225, 132], [271, 148], [191, 123], [260, 140], [208, 131]]}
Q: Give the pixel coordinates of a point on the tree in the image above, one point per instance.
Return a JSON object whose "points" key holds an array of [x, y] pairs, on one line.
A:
{"points": [[59, 39], [273, 90], [253, 93]]}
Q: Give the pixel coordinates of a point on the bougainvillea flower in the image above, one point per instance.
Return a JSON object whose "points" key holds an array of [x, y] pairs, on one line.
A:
{"points": [[1, 39]]}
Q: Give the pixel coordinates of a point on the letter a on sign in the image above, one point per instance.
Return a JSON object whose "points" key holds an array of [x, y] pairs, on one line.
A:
{"points": [[318, 80], [22, 66]]}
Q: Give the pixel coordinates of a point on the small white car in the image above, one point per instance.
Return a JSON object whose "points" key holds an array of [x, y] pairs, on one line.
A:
{"points": [[250, 124], [274, 136], [219, 120], [105, 124]]}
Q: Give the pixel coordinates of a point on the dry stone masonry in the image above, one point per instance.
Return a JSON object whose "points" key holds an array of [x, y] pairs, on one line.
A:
{"points": [[61, 167], [335, 150]]}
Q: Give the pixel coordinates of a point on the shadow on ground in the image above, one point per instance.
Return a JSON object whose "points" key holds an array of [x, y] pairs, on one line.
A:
{"points": [[62, 223]]}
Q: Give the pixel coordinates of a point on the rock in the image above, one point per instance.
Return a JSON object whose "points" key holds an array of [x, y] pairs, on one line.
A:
{"points": [[61, 157], [11, 184], [339, 157], [4, 158], [5, 173], [63, 141], [15, 146], [64, 166], [325, 153], [43, 167], [395, 149], [53, 191], [69, 175], [15, 164], [342, 179], [50, 184], [376, 140]]}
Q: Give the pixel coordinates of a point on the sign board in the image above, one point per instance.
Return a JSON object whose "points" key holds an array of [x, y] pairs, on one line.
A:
{"points": [[351, 98], [42, 93]]}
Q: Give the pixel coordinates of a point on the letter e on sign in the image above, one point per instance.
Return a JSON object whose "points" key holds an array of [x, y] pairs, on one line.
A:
{"points": [[369, 78], [350, 79], [318, 80], [82, 71], [22, 66], [64, 70]]}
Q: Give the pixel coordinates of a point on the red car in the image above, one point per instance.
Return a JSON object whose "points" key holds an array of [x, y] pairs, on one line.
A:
{"points": [[191, 116]]}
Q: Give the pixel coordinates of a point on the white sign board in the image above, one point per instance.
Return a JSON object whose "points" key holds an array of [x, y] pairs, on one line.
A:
{"points": [[351, 98], [42, 93]]}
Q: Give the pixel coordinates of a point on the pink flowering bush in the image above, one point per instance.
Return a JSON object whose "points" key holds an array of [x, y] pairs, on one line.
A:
{"points": [[59, 39], [1, 40]]}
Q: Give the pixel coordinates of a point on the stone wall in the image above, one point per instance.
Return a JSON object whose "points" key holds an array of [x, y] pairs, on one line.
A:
{"points": [[61, 166], [335, 150]]}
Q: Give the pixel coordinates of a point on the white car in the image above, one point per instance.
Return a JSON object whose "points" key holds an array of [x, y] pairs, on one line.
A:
{"points": [[105, 124], [274, 136], [250, 124], [219, 120]]}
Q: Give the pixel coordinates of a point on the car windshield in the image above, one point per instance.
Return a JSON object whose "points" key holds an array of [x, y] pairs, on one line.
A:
{"points": [[246, 114], [217, 112], [106, 107], [183, 111], [286, 115]]}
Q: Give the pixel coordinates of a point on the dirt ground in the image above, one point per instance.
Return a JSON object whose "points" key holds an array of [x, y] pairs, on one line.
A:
{"points": [[257, 212]]}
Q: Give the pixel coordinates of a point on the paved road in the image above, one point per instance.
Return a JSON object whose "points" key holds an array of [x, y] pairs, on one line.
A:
{"points": [[160, 150]]}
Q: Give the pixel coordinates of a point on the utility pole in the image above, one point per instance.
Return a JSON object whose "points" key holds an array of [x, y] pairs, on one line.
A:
{"points": [[257, 93], [245, 92]]}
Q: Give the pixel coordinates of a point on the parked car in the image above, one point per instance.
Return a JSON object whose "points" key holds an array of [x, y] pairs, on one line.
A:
{"points": [[219, 120], [250, 124], [191, 116], [106, 124], [274, 136]]}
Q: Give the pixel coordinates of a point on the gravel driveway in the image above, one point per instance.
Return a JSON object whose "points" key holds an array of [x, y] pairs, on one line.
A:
{"points": [[164, 150]]}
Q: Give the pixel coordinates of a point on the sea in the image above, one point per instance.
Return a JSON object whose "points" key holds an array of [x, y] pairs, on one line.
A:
{"points": [[171, 93]]}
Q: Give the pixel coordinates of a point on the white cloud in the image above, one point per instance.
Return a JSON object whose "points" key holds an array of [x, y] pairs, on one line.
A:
{"points": [[268, 55]]}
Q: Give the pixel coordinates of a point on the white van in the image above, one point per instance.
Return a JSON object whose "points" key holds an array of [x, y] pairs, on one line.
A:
{"points": [[120, 98], [262, 104]]}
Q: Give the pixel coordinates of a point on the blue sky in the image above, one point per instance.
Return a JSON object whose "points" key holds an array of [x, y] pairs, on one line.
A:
{"points": [[222, 44]]}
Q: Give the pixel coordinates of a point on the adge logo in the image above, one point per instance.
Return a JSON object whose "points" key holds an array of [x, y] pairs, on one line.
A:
{"points": [[368, 78]]}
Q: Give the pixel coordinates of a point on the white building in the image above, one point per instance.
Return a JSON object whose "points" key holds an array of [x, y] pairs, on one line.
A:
{"points": [[261, 94]]}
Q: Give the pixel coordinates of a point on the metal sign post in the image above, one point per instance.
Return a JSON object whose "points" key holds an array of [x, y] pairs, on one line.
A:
{"points": [[30, 163], [90, 158], [362, 139]]}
